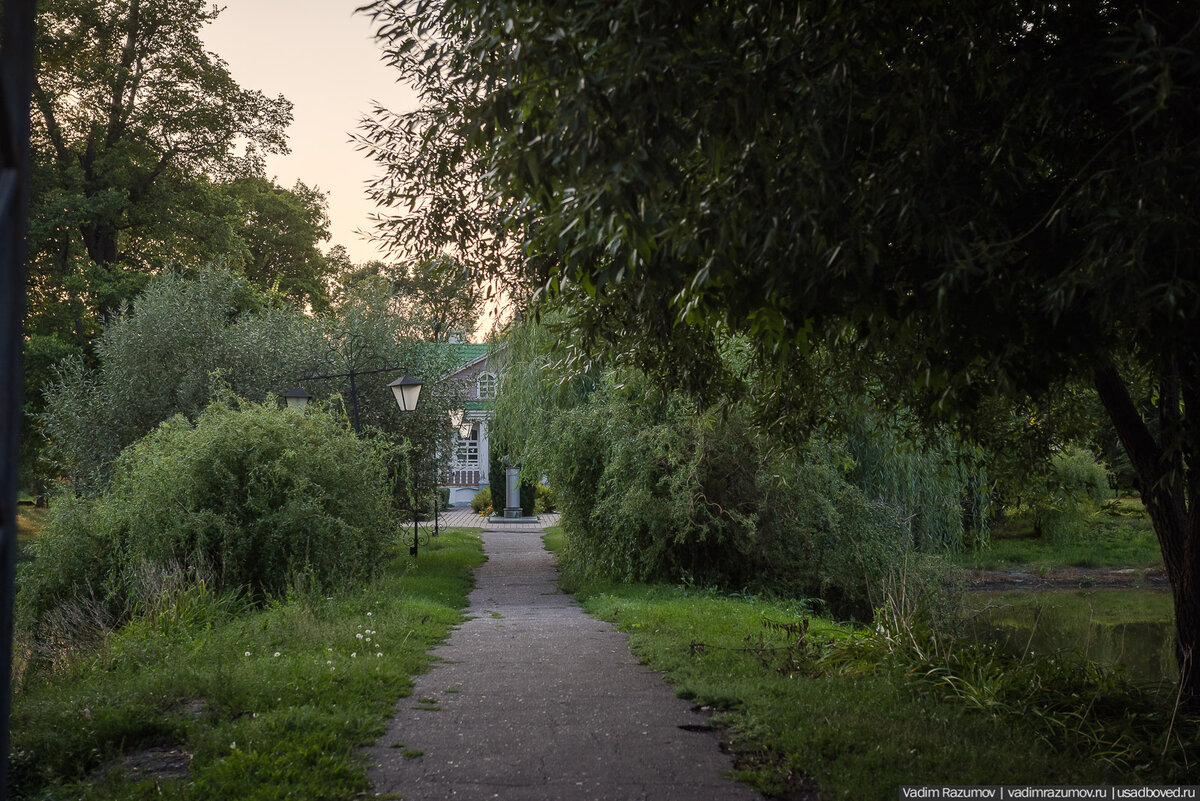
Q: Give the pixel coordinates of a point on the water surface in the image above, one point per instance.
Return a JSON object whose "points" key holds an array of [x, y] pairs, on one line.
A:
{"points": [[1133, 628]]}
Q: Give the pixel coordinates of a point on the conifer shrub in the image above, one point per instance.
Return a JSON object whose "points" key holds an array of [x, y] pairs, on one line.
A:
{"points": [[250, 498]]}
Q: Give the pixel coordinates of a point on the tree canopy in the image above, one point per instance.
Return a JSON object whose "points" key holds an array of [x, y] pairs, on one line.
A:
{"points": [[133, 122], [1000, 195]]}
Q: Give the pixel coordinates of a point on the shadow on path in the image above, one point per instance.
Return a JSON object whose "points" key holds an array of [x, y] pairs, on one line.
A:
{"points": [[533, 699]]}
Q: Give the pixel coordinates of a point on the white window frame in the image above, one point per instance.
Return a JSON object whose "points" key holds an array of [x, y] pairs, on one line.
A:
{"points": [[489, 380], [466, 449]]}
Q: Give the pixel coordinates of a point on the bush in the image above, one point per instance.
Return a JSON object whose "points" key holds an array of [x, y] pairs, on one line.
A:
{"points": [[250, 498], [545, 502], [1077, 483], [669, 493], [482, 500], [157, 359]]}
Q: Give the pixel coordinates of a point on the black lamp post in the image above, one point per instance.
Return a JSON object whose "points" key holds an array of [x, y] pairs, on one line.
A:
{"points": [[407, 391], [297, 398]]}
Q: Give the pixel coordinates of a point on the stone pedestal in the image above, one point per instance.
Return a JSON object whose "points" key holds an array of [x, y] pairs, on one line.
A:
{"points": [[512, 492]]}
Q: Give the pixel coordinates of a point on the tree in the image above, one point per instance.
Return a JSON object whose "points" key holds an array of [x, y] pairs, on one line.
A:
{"points": [[132, 120], [1002, 194], [437, 296], [167, 354], [280, 230]]}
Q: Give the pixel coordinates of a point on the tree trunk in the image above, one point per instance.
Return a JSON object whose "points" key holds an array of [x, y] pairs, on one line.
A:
{"points": [[101, 243], [1166, 478]]}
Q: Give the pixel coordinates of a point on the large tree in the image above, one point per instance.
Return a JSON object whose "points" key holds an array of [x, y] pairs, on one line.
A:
{"points": [[1003, 193], [133, 120]]}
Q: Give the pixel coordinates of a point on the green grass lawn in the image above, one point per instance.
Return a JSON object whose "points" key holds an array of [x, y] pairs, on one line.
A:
{"points": [[822, 708], [263, 704], [1120, 535]]}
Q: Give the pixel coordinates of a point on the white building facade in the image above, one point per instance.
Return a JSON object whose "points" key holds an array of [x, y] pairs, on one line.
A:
{"points": [[466, 470]]}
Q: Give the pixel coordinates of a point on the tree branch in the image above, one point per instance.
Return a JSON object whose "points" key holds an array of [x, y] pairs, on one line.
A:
{"points": [[47, 111]]}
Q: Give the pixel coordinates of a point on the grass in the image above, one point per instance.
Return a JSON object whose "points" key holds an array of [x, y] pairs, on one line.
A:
{"points": [[268, 704], [30, 520], [1121, 535], [805, 703]]}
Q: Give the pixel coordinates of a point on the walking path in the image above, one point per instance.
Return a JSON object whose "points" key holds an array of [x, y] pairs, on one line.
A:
{"points": [[533, 699]]}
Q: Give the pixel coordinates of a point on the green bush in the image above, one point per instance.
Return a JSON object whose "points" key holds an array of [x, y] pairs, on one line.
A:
{"points": [[662, 491], [250, 498], [482, 500], [496, 479], [1078, 483], [653, 486], [528, 495], [544, 502]]}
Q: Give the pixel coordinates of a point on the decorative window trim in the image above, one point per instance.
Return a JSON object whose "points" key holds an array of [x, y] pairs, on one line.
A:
{"points": [[486, 385]]}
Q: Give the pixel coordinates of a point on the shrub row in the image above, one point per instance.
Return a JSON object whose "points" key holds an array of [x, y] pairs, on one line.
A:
{"points": [[249, 498]]}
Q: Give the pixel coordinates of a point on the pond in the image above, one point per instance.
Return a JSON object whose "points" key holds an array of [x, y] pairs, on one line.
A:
{"points": [[1129, 627]]}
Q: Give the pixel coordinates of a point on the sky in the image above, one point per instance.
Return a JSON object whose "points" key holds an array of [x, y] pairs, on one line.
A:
{"points": [[321, 56]]}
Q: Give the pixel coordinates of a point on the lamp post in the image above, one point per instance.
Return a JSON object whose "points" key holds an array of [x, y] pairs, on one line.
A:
{"points": [[297, 398], [407, 391]]}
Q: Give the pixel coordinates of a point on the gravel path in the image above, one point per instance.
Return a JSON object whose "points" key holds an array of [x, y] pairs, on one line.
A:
{"points": [[533, 699]]}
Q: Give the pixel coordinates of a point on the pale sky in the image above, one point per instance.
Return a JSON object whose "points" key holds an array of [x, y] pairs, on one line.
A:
{"points": [[321, 56]]}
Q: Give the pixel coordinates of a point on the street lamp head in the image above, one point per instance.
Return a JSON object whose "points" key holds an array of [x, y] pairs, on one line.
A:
{"points": [[297, 398], [407, 391]]}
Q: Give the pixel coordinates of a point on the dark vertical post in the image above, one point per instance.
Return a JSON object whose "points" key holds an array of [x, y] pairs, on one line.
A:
{"points": [[413, 550], [354, 402], [16, 82]]}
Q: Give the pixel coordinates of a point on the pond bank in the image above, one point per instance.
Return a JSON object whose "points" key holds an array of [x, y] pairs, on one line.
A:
{"points": [[1066, 578]]}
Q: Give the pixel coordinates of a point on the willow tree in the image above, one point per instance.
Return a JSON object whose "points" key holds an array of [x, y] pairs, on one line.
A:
{"points": [[1001, 194]]}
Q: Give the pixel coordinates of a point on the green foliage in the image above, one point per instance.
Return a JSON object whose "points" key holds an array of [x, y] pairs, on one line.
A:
{"points": [[1077, 484], [482, 500], [186, 337], [437, 296], [931, 482], [132, 121], [159, 358], [653, 487], [250, 498], [279, 232], [528, 495], [980, 197], [267, 703], [804, 702], [1116, 539], [997, 196], [545, 502], [496, 477], [365, 330]]}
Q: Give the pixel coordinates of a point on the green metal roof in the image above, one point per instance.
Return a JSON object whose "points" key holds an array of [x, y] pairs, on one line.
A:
{"points": [[462, 353]]}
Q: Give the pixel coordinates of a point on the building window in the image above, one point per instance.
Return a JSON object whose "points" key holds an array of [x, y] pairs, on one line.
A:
{"points": [[486, 384], [466, 450]]}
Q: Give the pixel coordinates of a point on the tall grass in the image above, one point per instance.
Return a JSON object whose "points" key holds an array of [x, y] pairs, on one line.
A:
{"points": [[858, 712], [262, 703]]}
